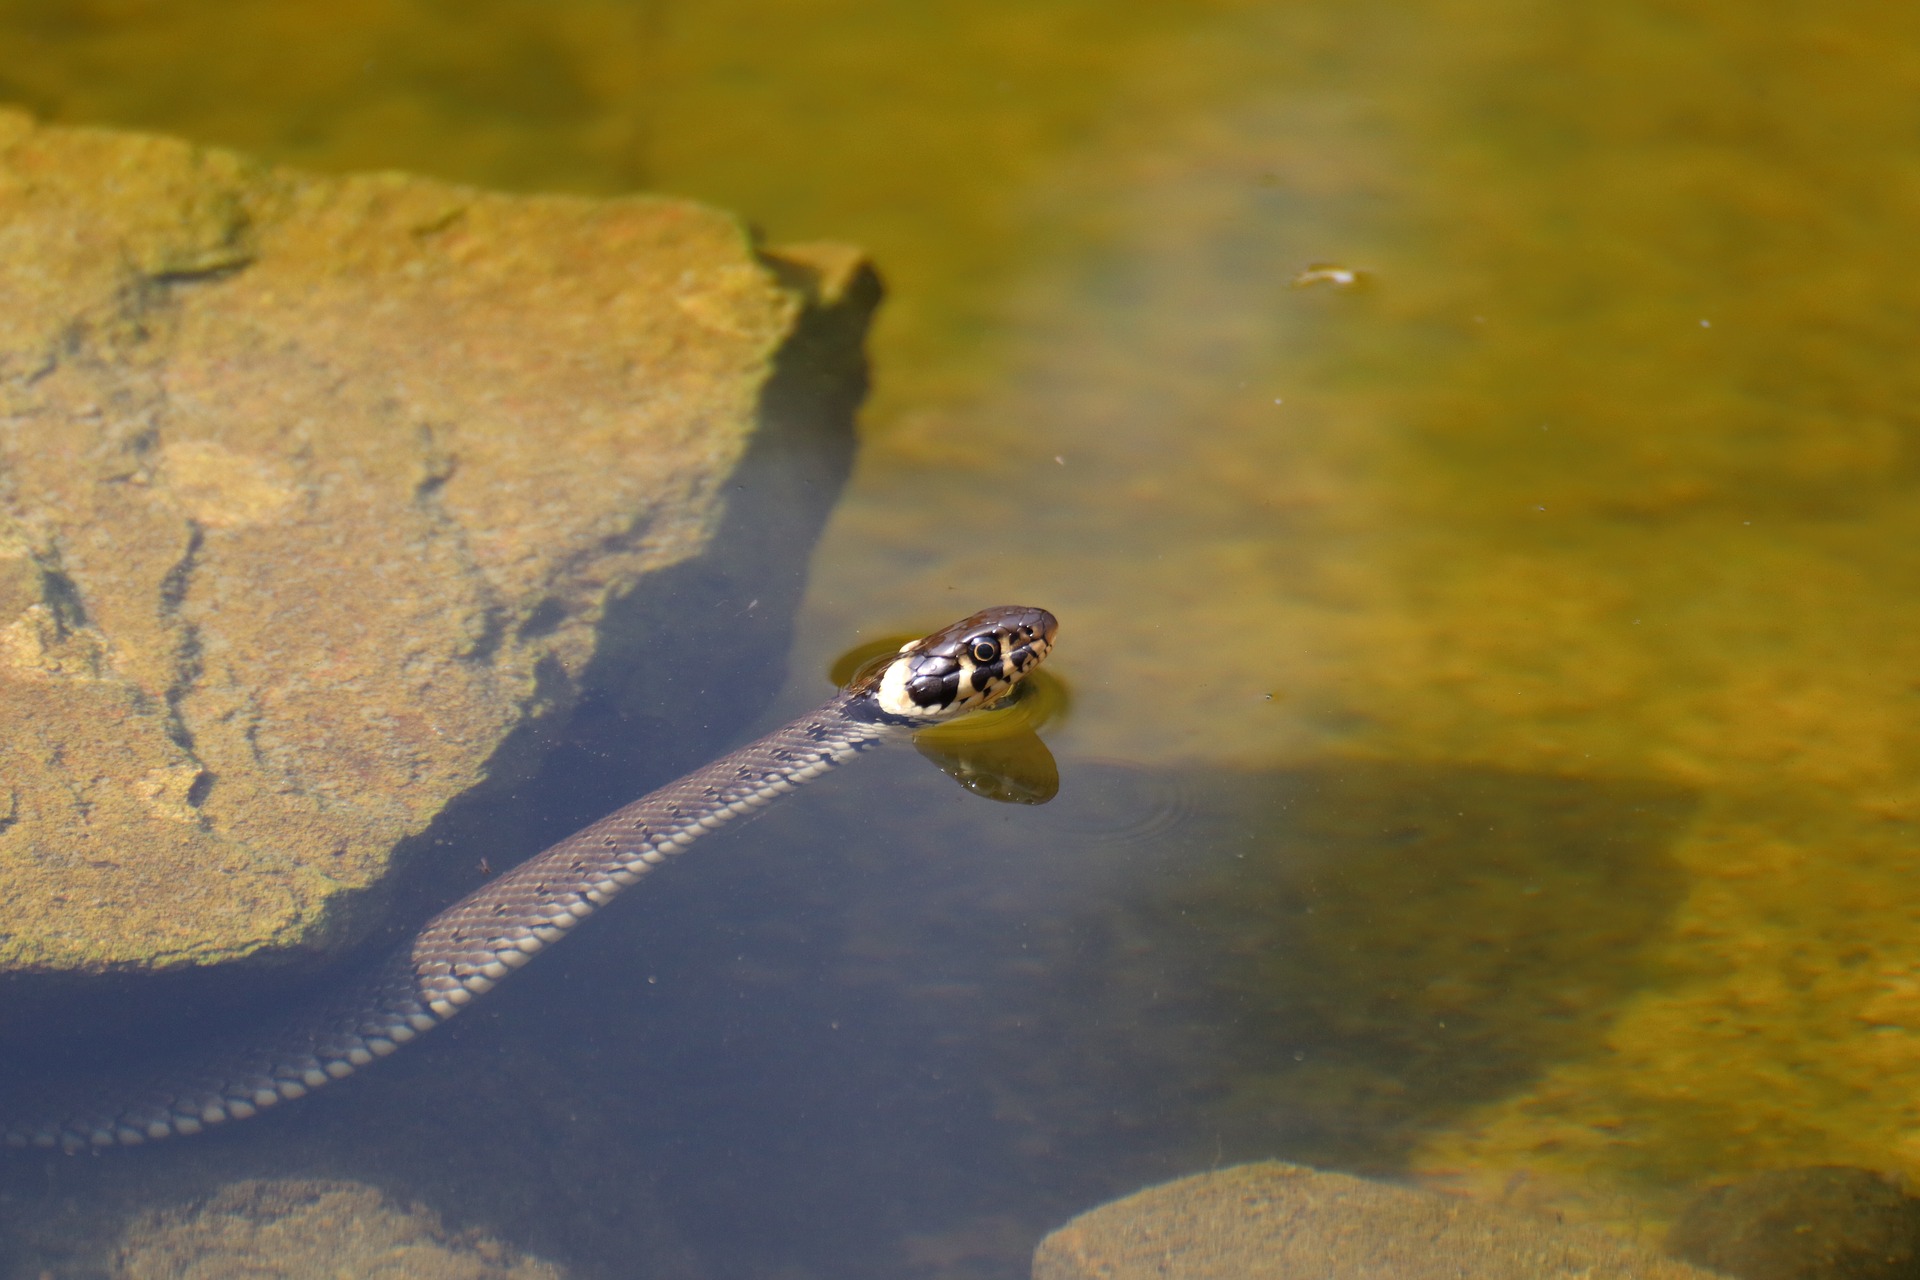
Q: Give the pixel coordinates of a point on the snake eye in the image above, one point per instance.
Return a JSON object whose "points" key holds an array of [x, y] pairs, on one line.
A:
{"points": [[985, 650]]}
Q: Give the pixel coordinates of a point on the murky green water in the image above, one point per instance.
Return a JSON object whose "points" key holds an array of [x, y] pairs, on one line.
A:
{"points": [[1587, 516]]}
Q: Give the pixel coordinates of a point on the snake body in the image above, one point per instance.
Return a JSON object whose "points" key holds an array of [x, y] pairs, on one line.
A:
{"points": [[461, 953]]}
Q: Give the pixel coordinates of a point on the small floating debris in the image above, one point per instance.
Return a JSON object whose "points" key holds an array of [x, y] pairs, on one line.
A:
{"points": [[1332, 275]]}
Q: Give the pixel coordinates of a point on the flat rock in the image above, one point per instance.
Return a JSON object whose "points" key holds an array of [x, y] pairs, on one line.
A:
{"points": [[265, 1229], [1274, 1221], [318, 495]]}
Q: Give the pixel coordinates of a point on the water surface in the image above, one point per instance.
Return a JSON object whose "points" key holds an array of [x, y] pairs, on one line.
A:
{"points": [[1493, 758]]}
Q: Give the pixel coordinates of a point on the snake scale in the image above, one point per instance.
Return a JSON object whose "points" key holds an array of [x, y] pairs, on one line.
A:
{"points": [[464, 951]]}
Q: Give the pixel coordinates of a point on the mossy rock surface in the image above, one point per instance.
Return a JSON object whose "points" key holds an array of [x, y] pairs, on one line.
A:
{"points": [[1274, 1221], [319, 495]]}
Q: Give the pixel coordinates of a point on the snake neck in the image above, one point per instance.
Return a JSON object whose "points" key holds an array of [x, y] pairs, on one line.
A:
{"points": [[463, 951], [466, 948]]}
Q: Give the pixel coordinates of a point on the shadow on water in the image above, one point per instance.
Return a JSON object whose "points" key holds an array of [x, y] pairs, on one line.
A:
{"points": [[889, 1030], [1375, 947], [682, 662]]}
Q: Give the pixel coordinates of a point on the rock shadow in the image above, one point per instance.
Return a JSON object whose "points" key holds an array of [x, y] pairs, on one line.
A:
{"points": [[891, 1030], [686, 660]]}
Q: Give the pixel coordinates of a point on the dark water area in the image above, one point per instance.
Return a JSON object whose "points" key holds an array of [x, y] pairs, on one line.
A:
{"points": [[892, 1029]]}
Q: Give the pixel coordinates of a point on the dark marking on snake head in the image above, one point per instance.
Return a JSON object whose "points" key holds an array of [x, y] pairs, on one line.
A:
{"points": [[930, 690]]}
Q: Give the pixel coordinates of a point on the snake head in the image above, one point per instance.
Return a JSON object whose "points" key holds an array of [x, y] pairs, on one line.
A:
{"points": [[961, 668]]}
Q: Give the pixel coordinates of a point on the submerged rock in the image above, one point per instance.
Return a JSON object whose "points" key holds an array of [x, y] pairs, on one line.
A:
{"points": [[1271, 1221], [293, 1228], [319, 496], [1824, 1222]]}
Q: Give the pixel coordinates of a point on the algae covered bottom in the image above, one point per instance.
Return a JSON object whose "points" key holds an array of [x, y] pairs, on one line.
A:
{"points": [[1557, 576]]}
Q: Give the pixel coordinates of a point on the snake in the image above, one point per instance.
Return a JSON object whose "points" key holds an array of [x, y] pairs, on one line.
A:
{"points": [[466, 950]]}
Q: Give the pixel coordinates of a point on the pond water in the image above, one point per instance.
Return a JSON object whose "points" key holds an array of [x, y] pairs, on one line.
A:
{"points": [[1494, 754]]}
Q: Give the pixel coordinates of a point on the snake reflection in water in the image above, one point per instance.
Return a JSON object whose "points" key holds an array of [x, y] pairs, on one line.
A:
{"points": [[466, 949]]}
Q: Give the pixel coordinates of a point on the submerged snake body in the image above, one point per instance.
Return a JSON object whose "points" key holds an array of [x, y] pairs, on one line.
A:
{"points": [[462, 952]]}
